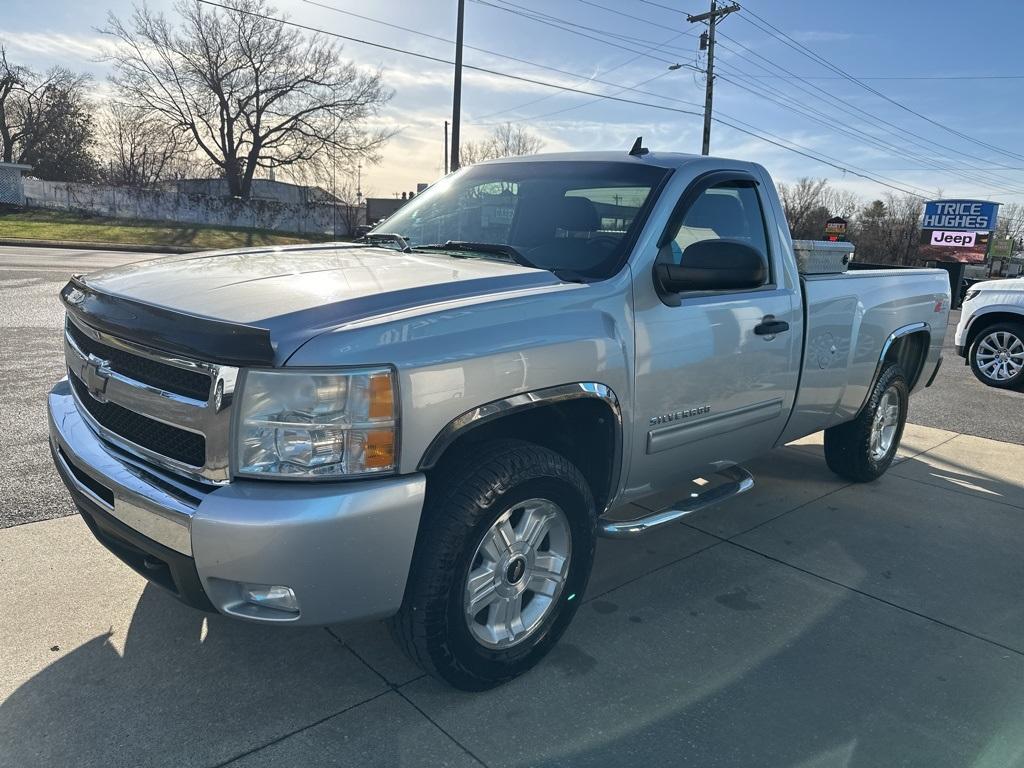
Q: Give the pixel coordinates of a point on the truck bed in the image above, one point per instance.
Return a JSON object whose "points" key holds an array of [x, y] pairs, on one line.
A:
{"points": [[849, 319]]}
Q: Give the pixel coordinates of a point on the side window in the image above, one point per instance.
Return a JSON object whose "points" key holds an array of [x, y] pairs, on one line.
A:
{"points": [[725, 211], [614, 207]]}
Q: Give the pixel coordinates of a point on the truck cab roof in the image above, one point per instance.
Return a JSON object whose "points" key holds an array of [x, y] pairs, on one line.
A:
{"points": [[671, 160]]}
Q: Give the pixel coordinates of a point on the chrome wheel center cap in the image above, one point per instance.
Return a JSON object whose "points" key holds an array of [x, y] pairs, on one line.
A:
{"points": [[516, 570]]}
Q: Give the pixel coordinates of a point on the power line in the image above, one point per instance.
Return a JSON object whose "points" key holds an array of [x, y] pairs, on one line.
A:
{"points": [[449, 41], [594, 101], [753, 132], [573, 28], [765, 92], [540, 17], [779, 34], [585, 78], [847, 107], [628, 61], [899, 77], [631, 16], [876, 142], [659, 5]]}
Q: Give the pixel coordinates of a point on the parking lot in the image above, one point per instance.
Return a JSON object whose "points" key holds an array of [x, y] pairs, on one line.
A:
{"points": [[807, 623]]}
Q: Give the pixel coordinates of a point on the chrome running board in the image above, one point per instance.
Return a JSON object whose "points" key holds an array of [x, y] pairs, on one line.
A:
{"points": [[737, 481]]}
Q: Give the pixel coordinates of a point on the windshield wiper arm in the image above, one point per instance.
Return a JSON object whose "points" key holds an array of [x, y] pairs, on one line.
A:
{"points": [[498, 249], [387, 237]]}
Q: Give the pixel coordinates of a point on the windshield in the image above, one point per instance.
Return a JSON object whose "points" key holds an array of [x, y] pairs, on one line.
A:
{"points": [[574, 216]]}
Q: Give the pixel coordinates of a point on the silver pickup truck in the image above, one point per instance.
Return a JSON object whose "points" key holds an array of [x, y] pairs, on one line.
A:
{"points": [[434, 425]]}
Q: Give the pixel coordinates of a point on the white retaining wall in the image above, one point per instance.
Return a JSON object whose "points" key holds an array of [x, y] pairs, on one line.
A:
{"points": [[185, 208]]}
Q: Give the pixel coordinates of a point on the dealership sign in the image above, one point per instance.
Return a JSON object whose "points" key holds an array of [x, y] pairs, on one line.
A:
{"points": [[957, 230], [977, 215]]}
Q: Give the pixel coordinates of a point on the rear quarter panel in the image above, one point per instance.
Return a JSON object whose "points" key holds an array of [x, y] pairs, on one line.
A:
{"points": [[849, 319]]}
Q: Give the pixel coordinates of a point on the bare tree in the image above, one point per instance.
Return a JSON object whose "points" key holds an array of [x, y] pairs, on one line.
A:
{"points": [[348, 208], [842, 202], [46, 121], [809, 203], [888, 231], [506, 140], [1010, 226], [138, 149], [249, 91], [804, 203], [14, 84]]}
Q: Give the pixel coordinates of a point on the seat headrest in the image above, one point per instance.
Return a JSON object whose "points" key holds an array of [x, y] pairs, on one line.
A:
{"points": [[721, 213], [577, 214]]}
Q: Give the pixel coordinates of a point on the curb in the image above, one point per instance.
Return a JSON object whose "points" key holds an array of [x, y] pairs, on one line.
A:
{"points": [[90, 246]]}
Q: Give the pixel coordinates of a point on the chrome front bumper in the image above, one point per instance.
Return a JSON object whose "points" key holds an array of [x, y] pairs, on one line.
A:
{"points": [[344, 548]]}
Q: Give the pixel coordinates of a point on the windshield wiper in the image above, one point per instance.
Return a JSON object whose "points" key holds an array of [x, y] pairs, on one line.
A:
{"points": [[497, 249], [386, 237], [500, 249]]}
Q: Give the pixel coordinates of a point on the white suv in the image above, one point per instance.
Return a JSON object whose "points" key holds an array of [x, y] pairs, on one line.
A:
{"points": [[991, 332]]}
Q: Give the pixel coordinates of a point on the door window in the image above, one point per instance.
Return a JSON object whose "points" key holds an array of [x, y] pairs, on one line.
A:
{"points": [[731, 210]]}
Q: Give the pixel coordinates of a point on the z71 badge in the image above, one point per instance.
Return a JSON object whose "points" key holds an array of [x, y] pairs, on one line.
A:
{"points": [[667, 418]]}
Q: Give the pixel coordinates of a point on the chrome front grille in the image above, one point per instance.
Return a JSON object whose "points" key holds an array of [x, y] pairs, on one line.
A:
{"points": [[165, 409], [192, 383]]}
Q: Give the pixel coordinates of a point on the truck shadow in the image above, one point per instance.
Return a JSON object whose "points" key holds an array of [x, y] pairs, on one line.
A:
{"points": [[178, 687]]}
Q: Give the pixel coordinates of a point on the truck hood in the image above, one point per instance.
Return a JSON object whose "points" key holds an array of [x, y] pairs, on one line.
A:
{"points": [[295, 293]]}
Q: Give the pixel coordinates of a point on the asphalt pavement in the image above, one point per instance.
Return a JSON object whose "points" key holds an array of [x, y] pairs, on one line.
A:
{"points": [[31, 360], [959, 402]]}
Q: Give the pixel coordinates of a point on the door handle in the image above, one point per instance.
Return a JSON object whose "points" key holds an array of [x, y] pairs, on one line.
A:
{"points": [[769, 326]]}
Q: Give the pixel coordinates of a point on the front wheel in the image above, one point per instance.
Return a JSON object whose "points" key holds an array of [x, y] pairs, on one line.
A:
{"points": [[997, 357], [863, 449], [504, 553]]}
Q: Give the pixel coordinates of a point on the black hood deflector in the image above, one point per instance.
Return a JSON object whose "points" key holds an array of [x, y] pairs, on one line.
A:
{"points": [[199, 338]]}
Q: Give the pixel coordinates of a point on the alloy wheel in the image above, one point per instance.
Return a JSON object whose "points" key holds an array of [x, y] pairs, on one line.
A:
{"points": [[517, 573]]}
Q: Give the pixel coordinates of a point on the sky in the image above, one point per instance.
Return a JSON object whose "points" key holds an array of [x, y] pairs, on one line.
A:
{"points": [[933, 106]]}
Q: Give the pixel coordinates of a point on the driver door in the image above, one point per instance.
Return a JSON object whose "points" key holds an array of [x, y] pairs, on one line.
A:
{"points": [[713, 387]]}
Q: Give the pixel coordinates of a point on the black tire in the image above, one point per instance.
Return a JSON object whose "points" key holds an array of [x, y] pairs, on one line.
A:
{"points": [[465, 497], [848, 448], [1014, 330]]}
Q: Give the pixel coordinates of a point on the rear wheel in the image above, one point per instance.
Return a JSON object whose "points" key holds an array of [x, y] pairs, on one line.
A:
{"points": [[863, 449], [504, 553], [997, 356]]}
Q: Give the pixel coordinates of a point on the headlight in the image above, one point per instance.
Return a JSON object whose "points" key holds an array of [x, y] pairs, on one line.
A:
{"points": [[973, 293], [304, 424]]}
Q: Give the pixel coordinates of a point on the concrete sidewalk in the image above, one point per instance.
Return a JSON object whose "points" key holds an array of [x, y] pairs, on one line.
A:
{"points": [[808, 623]]}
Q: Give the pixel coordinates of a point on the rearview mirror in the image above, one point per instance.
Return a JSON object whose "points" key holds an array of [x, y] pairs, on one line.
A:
{"points": [[711, 265]]}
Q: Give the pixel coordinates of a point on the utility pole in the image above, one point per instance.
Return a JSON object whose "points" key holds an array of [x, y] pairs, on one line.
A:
{"points": [[457, 100], [711, 17], [445, 147]]}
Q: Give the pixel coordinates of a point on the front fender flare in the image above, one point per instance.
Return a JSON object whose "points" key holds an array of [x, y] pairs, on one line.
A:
{"points": [[522, 401]]}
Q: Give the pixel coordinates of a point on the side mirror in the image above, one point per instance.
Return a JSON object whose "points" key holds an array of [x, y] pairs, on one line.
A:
{"points": [[711, 265]]}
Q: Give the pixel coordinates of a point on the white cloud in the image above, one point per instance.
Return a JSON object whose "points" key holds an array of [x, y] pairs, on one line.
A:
{"points": [[51, 48]]}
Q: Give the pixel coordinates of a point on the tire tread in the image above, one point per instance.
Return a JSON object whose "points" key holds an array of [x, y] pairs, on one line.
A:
{"points": [[458, 492]]}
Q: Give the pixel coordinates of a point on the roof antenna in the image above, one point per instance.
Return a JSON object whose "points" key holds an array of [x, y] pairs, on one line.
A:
{"points": [[638, 149]]}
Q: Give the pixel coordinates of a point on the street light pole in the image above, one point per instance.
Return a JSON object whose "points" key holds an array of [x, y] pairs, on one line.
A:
{"points": [[711, 17], [457, 98]]}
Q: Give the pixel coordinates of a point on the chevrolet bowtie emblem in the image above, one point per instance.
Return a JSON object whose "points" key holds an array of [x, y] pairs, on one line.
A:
{"points": [[95, 374]]}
